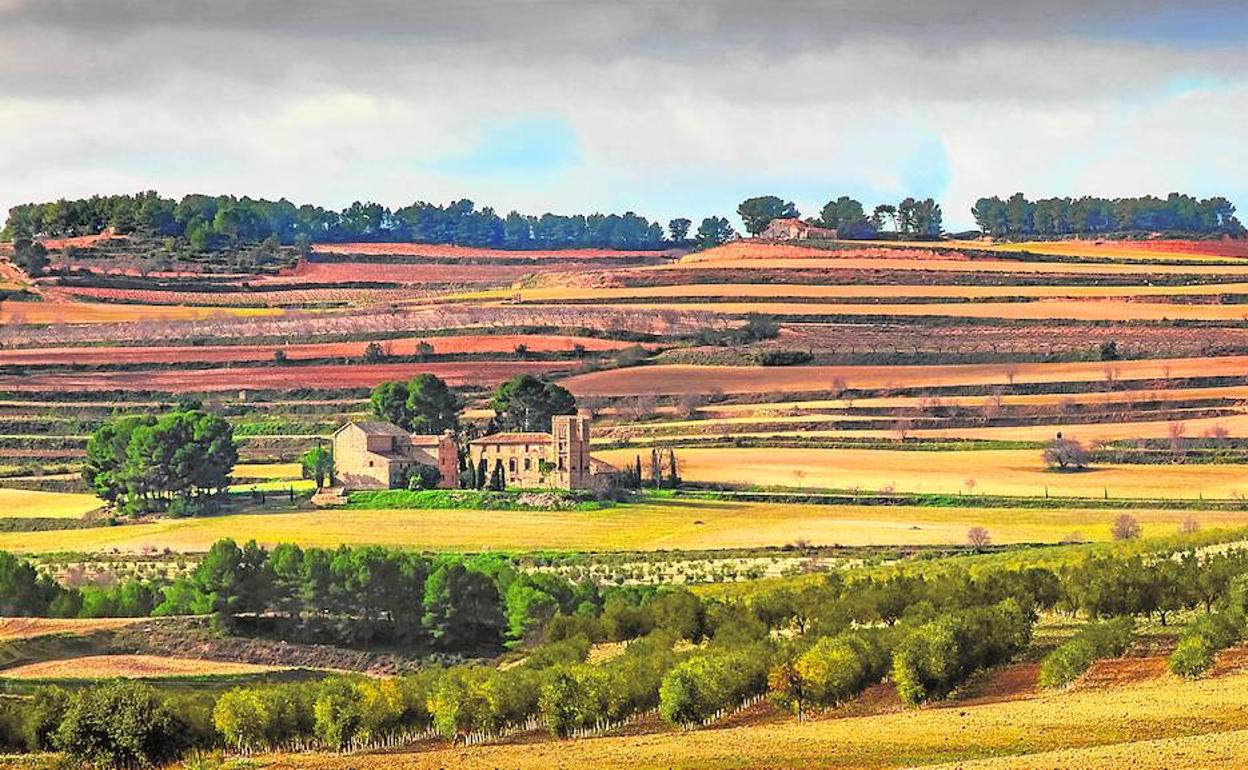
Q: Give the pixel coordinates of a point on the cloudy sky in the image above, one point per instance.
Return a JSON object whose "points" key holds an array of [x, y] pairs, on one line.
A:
{"points": [[664, 107]]}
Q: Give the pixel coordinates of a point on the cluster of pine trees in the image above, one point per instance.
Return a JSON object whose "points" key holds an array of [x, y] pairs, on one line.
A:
{"points": [[209, 222], [1177, 213]]}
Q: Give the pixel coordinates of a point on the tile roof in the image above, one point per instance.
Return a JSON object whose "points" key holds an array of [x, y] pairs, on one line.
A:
{"points": [[514, 438], [378, 428]]}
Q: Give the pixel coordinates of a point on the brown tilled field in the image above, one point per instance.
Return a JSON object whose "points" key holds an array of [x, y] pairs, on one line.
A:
{"points": [[501, 343], [486, 373]]}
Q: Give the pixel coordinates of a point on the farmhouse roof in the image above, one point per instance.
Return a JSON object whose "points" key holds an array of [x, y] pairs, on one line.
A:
{"points": [[597, 466], [786, 221], [421, 439], [377, 428], [512, 438]]}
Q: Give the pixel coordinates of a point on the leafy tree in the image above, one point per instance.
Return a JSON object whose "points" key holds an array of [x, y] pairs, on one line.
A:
{"points": [[423, 476], [841, 212], [757, 213], [679, 229], [374, 353], [30, 256], [318, 464], [145, 464], [462, 608], [432, 407], [713, 231], [526, 403], [424, 404]]}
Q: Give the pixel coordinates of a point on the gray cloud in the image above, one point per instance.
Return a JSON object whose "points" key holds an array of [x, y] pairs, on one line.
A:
{"points": [[329, 101]]}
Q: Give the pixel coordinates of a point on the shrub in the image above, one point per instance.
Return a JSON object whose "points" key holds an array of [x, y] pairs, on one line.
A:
{"points": [[697, 687], [1096, 640], [1192, 657], [1201, 640], [941, 654], [125, 724]]}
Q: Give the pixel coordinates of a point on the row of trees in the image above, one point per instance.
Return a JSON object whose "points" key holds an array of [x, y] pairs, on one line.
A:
{"points": [[426, 404], [225, 220], [177, 463], [910, 218], [928, 630], [1018, 216]]}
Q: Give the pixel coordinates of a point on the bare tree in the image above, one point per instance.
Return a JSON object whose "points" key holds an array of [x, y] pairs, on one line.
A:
{"points": [[978, 537], [1065, 454], [1126, 527], [1189, 526], [902, 428], [592, 405], [689, 404]]}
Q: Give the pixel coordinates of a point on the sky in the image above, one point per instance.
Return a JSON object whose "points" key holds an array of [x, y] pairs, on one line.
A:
{"points": [[663, 107]]}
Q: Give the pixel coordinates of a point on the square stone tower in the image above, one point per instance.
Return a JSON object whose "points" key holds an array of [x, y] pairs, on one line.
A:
{"points": [[570, 433]]}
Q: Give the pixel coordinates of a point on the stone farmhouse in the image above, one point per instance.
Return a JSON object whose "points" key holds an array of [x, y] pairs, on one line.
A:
{"points": [[379, 455], [794, 229]]}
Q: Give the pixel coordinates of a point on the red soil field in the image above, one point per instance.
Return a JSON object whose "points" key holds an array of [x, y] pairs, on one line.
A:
{"points": [[80, 241], [482, 373], [501, 343], [1218, 248], [467, 252]]}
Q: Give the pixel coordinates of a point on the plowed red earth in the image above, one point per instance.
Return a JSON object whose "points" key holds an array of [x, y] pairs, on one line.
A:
{"points": [[279, 378], [502, 343], [467, 252], [1228, 248]]}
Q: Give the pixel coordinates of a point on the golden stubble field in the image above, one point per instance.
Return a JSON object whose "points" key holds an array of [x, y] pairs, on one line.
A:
{"points": [[675, 524], [131, 667], [1014, 472]]}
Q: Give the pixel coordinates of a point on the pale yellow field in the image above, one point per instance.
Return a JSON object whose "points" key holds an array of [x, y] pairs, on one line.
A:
{"points": [[853, 290], [20, 503], [995, 472], [1040, 310], [1037, 399], [267, 471], [675, 524], [955, 265], [131, 667], [1119, 718], [673, 379], [1236, 426], [104, 312], [27, 628]]}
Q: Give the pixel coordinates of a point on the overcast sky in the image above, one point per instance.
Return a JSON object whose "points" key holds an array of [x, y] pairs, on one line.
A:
{"points": [[666, 108]]}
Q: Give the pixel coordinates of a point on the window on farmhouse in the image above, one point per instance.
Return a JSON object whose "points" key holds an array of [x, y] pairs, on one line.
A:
{"points": [[528, 464], [511, 465]]}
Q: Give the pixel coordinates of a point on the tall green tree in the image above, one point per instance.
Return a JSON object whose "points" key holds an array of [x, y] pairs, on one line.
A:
{"points": [[527, 403], [318, 464], [756, 213], [712, 232], [424, 404]]}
